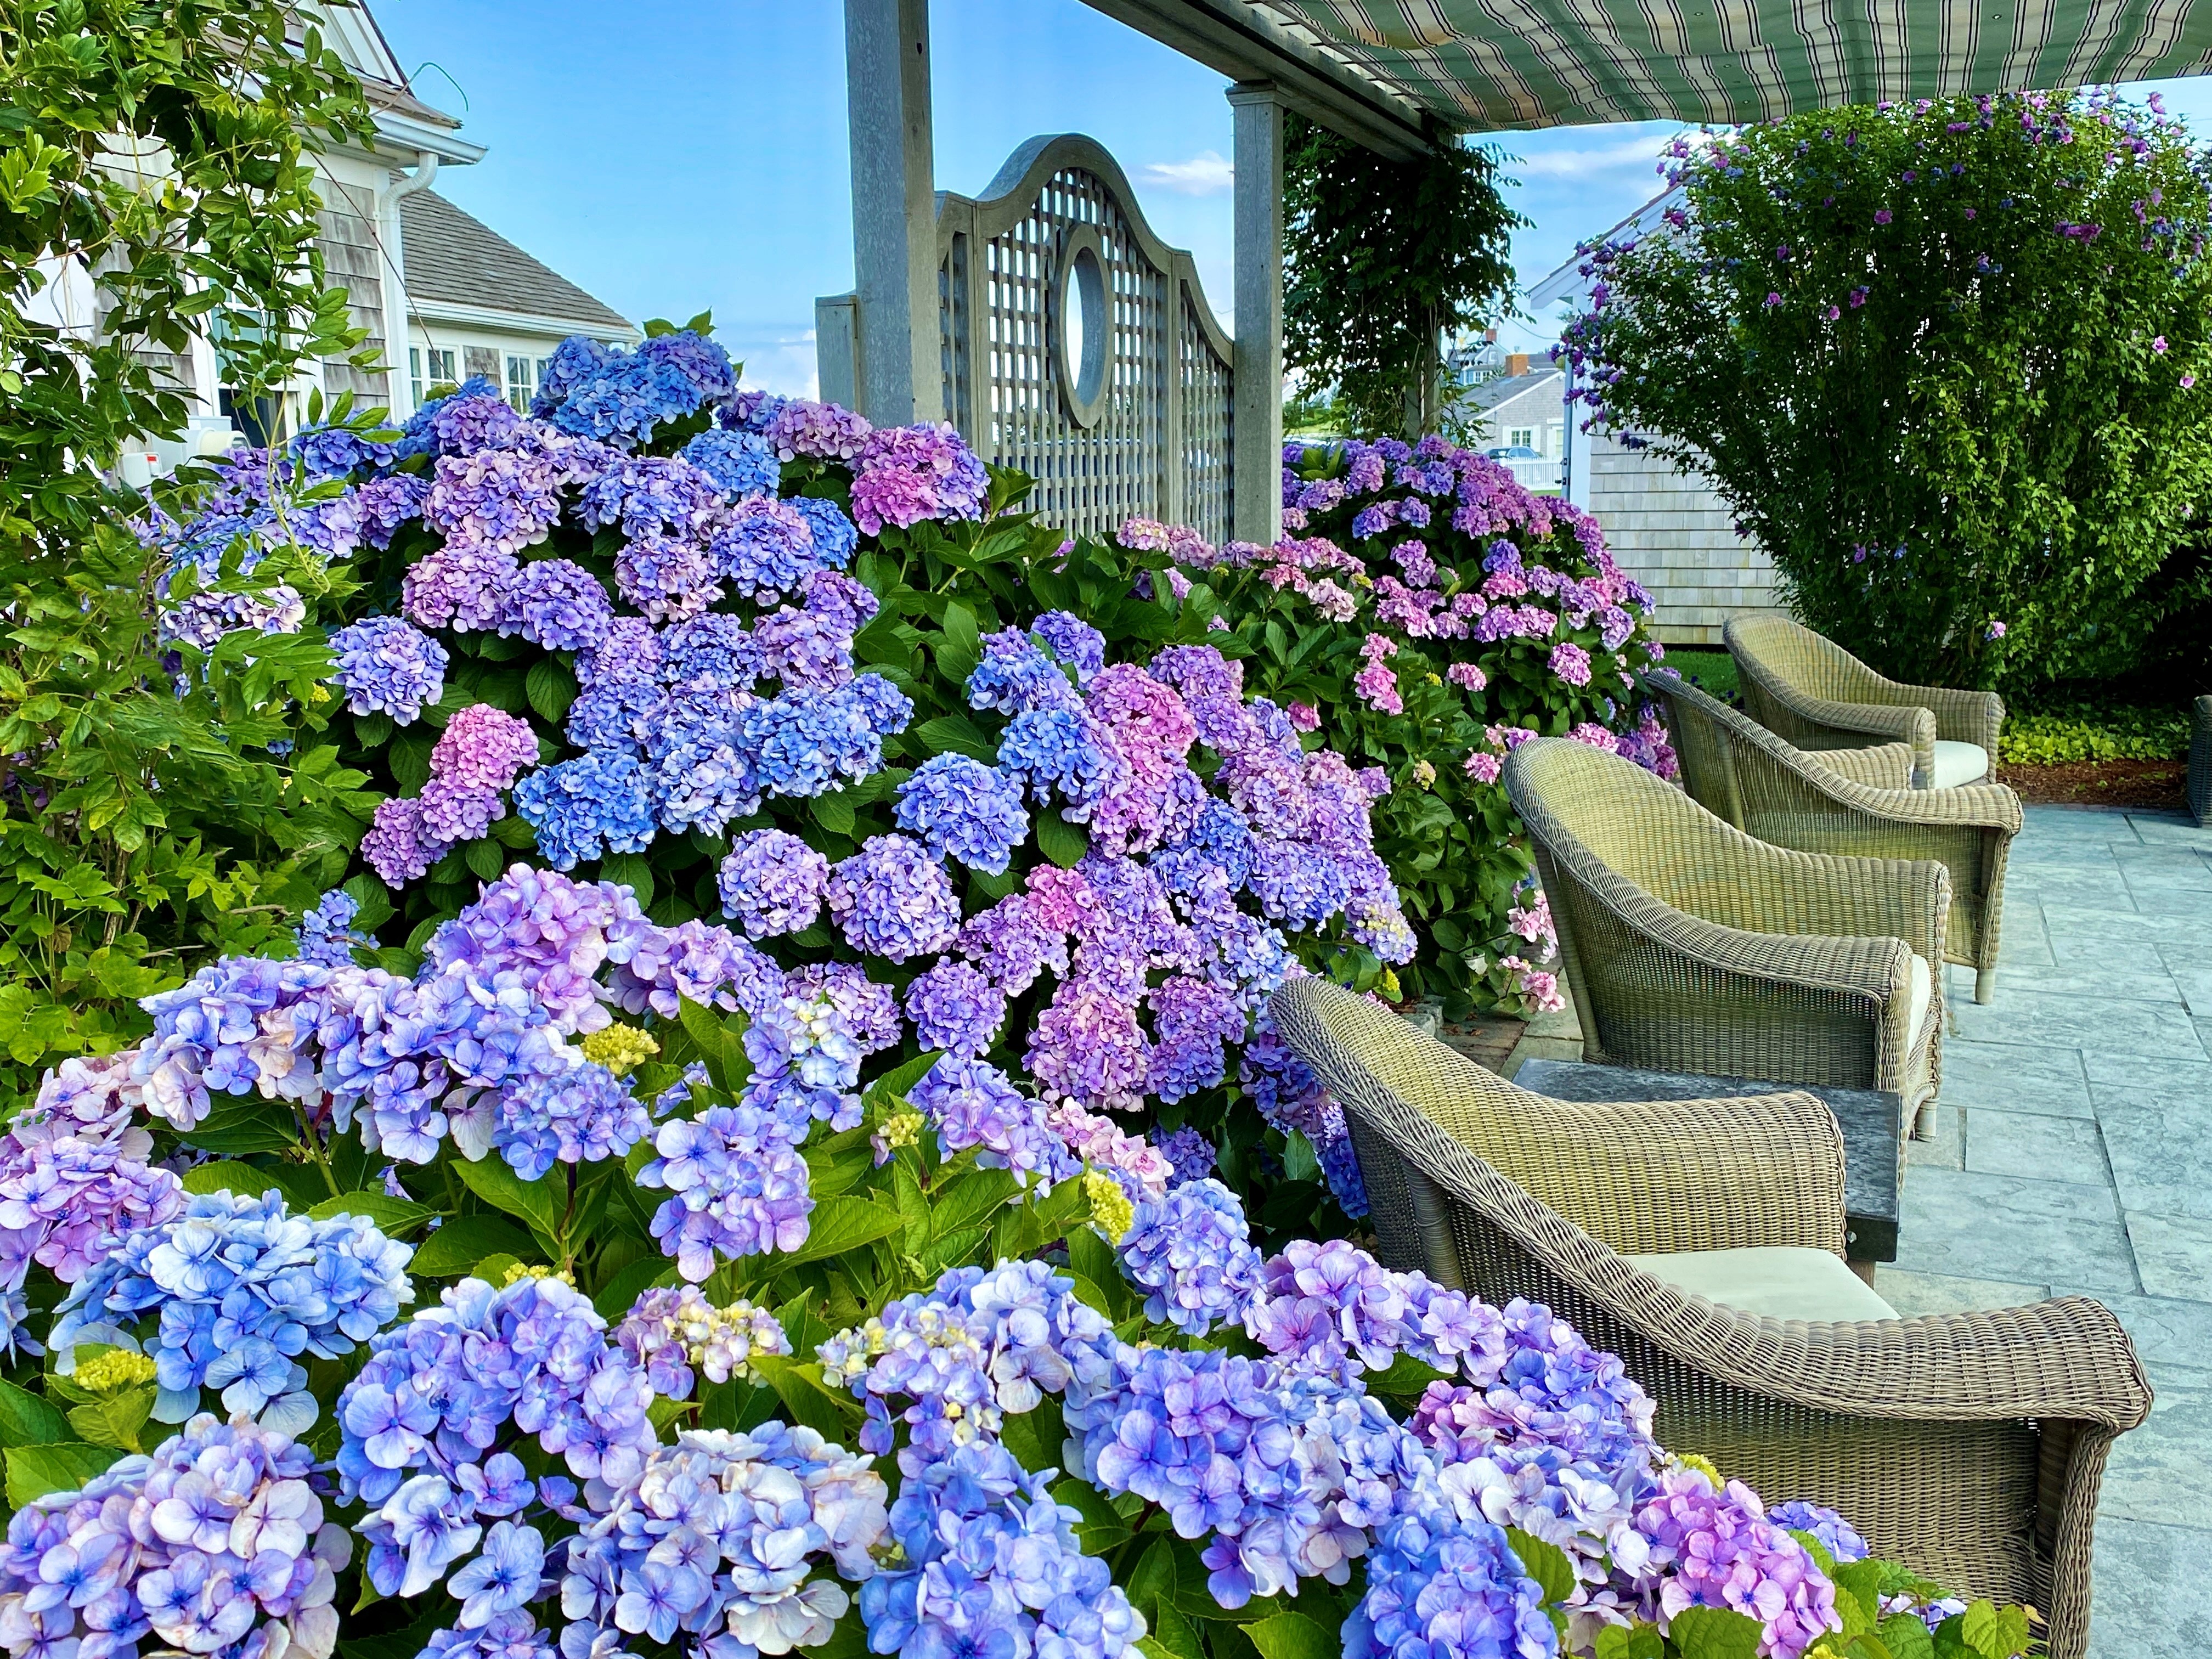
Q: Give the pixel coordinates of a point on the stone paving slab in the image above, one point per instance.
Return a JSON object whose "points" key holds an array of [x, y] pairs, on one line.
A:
{"points": [[2073, 1157]]}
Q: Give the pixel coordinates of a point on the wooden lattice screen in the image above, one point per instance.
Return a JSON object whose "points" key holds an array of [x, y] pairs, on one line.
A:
{"points": [[1079, 348]]}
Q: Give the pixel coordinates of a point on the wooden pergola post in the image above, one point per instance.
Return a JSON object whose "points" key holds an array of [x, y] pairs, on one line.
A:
{"points": [[893, 320], [1257, 515]]}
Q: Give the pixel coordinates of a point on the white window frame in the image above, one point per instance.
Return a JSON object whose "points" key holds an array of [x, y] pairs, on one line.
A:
{"points": [[521, 379]]}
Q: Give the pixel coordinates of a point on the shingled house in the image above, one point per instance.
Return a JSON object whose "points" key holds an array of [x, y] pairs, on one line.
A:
{"points": [[477, 304]]}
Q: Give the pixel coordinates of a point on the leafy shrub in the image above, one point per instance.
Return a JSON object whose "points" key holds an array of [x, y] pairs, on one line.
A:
{"points": [[1425, 612], [836, 1419], [145, 820], [888, 752], [2092, 732], [1946, 359]]}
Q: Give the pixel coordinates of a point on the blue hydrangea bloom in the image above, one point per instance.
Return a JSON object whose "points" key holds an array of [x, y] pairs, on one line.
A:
{"points": [[596, 803], [1071, 640], [965, 810], [743, 463], [326, 931], [836, 536]]}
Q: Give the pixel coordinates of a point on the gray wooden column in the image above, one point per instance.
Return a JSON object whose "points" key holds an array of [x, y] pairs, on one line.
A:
{"points": [[897, 353], [1258, 511]]}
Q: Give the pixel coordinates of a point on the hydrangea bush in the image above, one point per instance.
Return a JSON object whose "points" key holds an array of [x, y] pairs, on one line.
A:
{"points": [[1427, 613], [812, 689], [857, 1383]]}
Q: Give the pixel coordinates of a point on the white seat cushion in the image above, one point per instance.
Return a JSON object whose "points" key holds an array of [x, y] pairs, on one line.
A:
{"points": [[1779, 1281], [1959, 762], [1918, 994]]}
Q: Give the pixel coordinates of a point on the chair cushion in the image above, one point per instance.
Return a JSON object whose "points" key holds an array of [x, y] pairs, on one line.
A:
{"points": [[1959, 762], [1918, 994], [1779, 1281]]}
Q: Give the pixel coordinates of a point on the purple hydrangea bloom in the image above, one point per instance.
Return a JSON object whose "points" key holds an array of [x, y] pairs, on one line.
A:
{"points": [[1191, 1254], [1191, 1153], [905, 474], [1015, 677], [738, 1188], [1071, 640], [557, 604], [459, 586], [817, 431], [1837, 1536], [497, 500], [765, 548], [892, 899], [669, 578], [772, 882], [972, 1104], [955, 1007], [242, 1564]]}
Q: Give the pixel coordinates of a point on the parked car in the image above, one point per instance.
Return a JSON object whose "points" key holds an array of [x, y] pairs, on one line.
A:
{"points": [[1534, 471]]}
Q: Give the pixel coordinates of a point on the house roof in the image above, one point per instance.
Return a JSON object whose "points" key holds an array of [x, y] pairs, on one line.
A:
{"points": [[1391, 73], [456, 258], [1506, 387]]}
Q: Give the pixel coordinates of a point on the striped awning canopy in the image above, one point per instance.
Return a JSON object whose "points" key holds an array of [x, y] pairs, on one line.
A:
{"points": [[1414, 66]]}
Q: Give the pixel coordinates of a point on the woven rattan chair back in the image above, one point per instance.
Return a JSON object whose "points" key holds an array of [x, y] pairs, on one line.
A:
{"points": [[2200, 760], [1774, 657], [1996, 1502], [1768, 788], [1610, 839]]}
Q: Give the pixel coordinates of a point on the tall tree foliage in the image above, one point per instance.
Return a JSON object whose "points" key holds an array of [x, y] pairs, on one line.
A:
{"points": [[1382, 260], [1947, 362], [144, 819]]}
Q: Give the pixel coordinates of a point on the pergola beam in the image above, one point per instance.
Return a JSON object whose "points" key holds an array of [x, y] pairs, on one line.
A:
{"points": [[1237, 40]]}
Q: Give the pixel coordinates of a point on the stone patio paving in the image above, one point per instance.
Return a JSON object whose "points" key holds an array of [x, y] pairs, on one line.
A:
{"points": [[2073, 1153]]}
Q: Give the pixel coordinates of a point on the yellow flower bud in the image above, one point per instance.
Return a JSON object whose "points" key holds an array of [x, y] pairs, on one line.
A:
{"points": [[621, 1048]]}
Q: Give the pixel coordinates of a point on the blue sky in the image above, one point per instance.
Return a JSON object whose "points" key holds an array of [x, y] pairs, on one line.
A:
{"points": [[694, 157]]}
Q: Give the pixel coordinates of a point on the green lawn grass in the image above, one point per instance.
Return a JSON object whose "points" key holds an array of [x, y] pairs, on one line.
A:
{"points": [[1713, 672]]}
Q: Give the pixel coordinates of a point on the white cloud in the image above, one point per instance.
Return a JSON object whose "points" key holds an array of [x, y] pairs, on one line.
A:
{"points": [[1583, 163], [1207, 174]]}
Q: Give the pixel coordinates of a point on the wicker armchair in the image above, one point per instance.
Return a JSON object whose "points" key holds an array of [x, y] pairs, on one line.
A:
{"points": [[1968, 1446], [1853, 802], [1692, 947], [2200, 760], [1811, 692]]}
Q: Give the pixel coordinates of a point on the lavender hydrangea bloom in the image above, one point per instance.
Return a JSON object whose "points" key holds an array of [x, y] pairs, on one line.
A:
{"points": [[581, 1115], [460, 585], [1837, 1536], [906, 474], [956, 1008], [731, 1566], [669, 578], [440, 1391], [772, 882], [559, 605], [764, 548], [497, 500], [892, 899], [1071, 640], [965, 810], [817, 431], [672, 1330], [242, 1563], [738, 1186], [1192, 1255], [1191, 1153], [743, 463], [388, 667], [972, 1104], [326, 931]]}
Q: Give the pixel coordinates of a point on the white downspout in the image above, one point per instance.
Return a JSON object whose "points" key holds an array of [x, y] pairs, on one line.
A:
{"points": [[398, 328]]}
